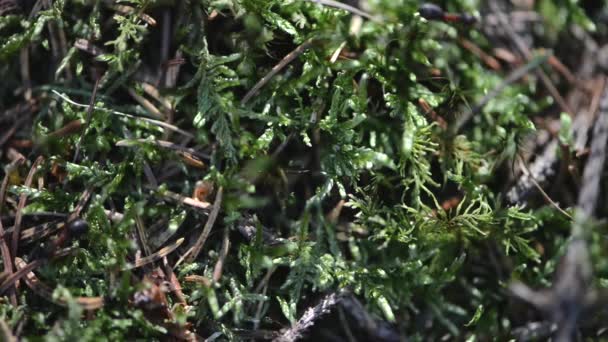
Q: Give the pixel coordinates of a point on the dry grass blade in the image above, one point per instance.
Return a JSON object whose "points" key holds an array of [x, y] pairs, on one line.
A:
{"points": [[162, 143], [275, 70], [198, 245], [156, 256], [22, 201], [134, 117], [46, 292], [348, 8], [88, 120]]}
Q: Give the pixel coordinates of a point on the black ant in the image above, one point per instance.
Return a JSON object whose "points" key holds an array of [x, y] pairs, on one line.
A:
{"points": [[434, 12]]}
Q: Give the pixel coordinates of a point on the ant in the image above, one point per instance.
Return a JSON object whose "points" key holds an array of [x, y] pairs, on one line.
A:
{"points": [[434, 12]]}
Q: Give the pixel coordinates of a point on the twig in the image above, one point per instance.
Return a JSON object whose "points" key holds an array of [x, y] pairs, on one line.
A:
{"points": [[21, 205], [88, 120], [152, 121], [286, 60], [193, 252]]}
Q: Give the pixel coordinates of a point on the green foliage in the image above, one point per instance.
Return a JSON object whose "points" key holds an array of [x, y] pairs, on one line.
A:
{"points": [[321, 131]]}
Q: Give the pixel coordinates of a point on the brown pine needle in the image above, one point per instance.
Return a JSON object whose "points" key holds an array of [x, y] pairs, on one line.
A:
{"points": [[192, 253], [21, 205], [524, 167], [156, 256], [275, 70], [46, 292]]}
